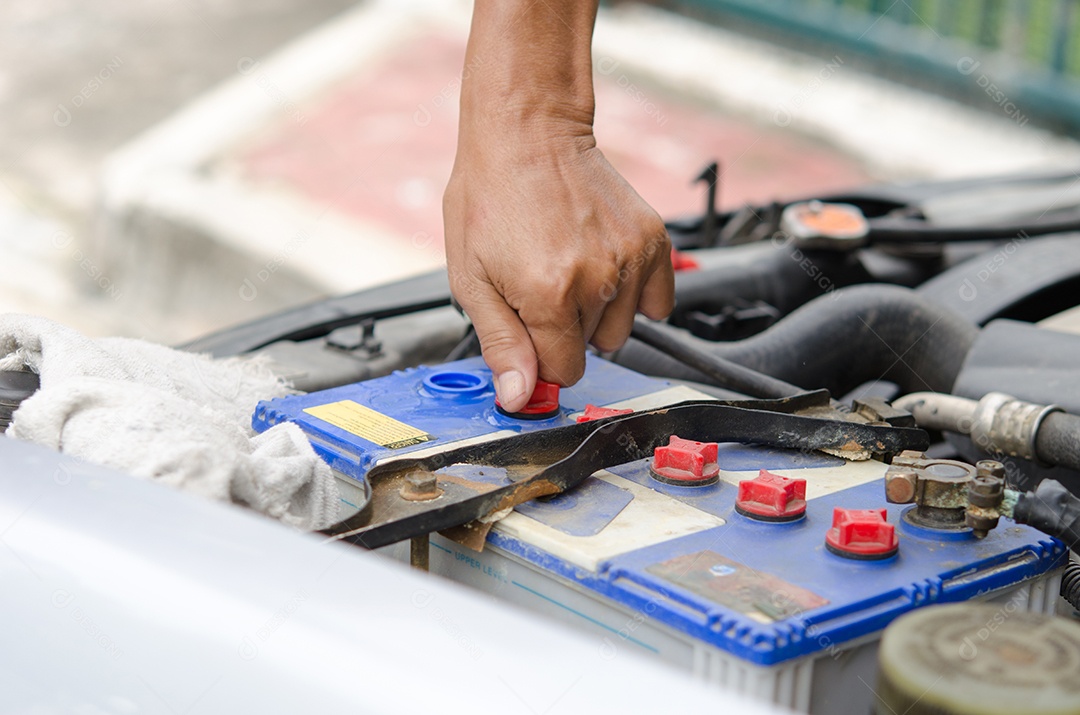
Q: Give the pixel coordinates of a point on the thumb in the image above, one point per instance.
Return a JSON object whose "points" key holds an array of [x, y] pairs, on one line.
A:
{"points": [[508, 350]]}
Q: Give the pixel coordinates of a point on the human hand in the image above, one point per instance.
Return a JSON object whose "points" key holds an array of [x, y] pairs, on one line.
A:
{"points": [[548, 249]]}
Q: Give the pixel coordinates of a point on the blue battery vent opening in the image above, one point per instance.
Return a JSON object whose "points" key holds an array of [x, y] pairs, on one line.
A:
{"points": [[457, 383]]}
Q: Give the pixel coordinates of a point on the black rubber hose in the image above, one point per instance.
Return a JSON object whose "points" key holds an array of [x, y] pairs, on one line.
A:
{"points": [[1052, 509], [840, 341], [1027, 280], [723, 373], [1058, 440], [1070, 585], [754, 272], [892, 230], [781, 275]]}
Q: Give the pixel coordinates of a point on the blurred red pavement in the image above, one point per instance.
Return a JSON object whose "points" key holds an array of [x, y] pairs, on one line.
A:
{"points": [[380, 147]]}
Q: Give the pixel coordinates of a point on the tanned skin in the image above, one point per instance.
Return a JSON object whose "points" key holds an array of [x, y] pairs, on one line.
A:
{"points": [[549, 249]]}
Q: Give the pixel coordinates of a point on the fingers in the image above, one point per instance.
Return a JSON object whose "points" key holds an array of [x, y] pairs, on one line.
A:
{"points": [[547, 259], [651, 291], [560, 339], [617, 320], [658, 294], [504, 340], [546, 340]]}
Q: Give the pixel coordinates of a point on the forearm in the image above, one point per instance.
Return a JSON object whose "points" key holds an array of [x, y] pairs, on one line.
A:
{"points": [[530, 63], [547, 247]]}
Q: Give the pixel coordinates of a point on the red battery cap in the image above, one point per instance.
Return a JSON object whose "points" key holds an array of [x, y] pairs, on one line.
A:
{"points": [[543, 404], [592, 412], [683, 262], [686, 463], [862, 534], [771, 497]]}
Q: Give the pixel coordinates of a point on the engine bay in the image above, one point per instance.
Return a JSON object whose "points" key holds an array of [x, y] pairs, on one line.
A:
{"points": [[863, 404]]}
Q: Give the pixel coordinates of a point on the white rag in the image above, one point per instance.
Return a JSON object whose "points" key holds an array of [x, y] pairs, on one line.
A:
{"points": [[168, 415]]}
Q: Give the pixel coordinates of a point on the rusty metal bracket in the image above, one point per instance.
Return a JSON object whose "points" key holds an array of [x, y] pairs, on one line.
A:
{"points": [[547, 462]]}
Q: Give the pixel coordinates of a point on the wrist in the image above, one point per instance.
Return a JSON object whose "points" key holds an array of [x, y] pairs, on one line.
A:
{"points": [[490, 107], [528, 67], [519, 124]]}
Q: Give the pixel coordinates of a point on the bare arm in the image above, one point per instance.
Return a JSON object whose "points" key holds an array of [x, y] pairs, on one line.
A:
{"points": [[548, 247]]}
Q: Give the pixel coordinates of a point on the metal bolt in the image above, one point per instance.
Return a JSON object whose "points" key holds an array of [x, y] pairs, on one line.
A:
{"points": [[900, 487], [986, 485], [420, 552], [990, 468], [981, 523], [420, 486], [986, 492], [984, 495]]}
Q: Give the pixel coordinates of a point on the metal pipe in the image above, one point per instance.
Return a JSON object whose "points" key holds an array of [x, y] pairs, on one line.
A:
{"points": [[937, 411], [999, 424]]}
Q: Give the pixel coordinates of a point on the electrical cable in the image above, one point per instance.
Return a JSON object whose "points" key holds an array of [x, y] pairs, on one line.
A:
{"points": [[1052, 509]]}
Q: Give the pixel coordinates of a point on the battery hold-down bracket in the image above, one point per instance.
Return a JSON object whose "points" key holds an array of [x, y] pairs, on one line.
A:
{"points": [[547, 462]]}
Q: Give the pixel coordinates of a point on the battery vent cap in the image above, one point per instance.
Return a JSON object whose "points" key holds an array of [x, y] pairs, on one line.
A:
{"points": [[543, 404], [592, 412], [683, 262], [686, 463], [862, 534], [771, 497]]}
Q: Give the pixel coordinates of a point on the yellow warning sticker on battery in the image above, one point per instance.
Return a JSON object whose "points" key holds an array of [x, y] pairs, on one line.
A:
{"points": [[368, 424]]}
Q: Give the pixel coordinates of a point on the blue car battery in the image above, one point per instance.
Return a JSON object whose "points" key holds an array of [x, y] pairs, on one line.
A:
{"points": [[767, 571]]}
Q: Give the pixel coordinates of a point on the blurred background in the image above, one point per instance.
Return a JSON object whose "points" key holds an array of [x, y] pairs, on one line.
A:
{"points": [[175, 166]]}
